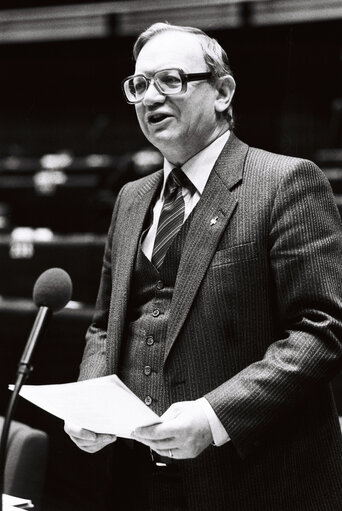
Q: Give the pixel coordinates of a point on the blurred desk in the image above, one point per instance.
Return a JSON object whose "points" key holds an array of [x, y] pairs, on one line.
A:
{"points": [[58, 354], [56, 191], [78, 254]]}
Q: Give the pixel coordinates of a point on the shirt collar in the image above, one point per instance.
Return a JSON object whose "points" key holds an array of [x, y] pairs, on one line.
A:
{"points": [[198, 168]]}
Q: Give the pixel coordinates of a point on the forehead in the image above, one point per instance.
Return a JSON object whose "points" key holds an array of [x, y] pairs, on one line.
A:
{"points": [[171, 49]]}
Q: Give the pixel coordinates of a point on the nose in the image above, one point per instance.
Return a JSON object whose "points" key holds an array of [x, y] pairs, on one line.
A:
{"points": [[152, 95]]}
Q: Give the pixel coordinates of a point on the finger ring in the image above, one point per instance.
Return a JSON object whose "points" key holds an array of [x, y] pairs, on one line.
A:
{"points": [[170, 453]]}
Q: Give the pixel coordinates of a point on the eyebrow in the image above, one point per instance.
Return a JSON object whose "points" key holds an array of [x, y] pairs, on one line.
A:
{"points": [[151, 73]]}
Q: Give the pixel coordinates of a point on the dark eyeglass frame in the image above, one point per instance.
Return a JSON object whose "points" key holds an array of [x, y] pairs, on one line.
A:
{"points": [[185, 78]]}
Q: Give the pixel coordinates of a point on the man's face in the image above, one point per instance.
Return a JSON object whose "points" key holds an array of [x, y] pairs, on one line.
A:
{"points": [[182, 124]]}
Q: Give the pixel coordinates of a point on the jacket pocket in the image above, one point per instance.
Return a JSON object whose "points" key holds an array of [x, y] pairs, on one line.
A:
{"points": [[235, 254]]}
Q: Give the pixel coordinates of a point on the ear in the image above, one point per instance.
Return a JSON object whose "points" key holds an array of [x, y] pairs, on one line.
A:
{"points": [[225, 87]]}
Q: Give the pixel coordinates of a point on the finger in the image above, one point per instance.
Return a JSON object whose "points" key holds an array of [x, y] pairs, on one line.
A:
{"points": [[84, 437], [158, 432], [104, 438], [144, 432], [79, 433], [91, 448], [94, 446], [170, 443]]}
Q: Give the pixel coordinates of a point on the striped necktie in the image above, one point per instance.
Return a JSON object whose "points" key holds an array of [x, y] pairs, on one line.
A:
{"points": [[171, 217]]}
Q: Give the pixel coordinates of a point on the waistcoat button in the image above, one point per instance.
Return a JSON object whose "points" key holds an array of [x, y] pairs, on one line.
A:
{"points": [[149, 340], [148, 400], [160, 284], [147, 370], [155, 313]]}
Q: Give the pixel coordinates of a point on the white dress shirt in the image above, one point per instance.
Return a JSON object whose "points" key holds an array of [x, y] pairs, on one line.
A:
{"points": [[197, 169]]}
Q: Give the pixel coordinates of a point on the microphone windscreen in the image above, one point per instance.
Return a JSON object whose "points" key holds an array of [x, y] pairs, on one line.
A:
{"points": [[52, 289]]}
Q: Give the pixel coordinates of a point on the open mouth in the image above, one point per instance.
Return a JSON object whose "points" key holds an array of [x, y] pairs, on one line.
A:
{"points": [[157, 118]]}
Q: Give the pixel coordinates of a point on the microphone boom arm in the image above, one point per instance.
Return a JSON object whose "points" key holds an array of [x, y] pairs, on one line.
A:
{"points": [[24, 366], [23, 372]]}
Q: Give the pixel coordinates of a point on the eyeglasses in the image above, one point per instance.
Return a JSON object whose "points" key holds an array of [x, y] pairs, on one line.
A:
{"points": [[166, 81]]}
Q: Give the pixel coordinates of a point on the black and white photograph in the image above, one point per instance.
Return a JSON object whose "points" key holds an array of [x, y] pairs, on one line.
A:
{"points": [[171, 255]]}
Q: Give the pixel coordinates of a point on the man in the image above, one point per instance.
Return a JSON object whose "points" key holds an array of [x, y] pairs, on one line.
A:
{"points": [[220, 302]]}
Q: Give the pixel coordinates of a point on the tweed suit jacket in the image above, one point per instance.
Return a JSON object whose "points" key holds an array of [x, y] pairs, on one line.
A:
{"points": [[255, 326]]}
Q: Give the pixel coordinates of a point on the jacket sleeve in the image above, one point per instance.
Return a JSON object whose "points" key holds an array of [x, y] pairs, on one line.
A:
{"points": [[93, 363], [305, 254]]}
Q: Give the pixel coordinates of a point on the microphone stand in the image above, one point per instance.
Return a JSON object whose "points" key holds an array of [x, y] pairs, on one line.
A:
{"points": [[23, 371]]}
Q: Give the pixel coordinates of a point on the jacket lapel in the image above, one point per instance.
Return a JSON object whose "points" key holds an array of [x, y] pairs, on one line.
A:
{"points": [[211, 217], [125, 250]]}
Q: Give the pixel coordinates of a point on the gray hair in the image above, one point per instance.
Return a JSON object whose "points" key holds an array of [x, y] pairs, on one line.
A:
{"points": [[214, 55]]}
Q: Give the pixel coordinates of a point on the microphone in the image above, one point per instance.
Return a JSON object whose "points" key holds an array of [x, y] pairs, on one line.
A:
{"points": [[51, 292], [53, 289]]}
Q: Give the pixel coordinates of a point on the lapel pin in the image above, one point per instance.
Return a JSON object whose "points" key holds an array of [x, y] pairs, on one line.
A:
{"points": [[213, 220]]}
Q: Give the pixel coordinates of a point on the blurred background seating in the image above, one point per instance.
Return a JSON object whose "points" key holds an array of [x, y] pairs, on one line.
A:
{"points": [[26, 462]]}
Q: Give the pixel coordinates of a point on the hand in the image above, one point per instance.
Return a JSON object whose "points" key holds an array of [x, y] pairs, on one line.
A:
{"points": [[88, 440], [184, 433]]}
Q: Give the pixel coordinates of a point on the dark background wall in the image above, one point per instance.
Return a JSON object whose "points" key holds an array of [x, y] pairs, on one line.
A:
{"points": [[58, 95]]}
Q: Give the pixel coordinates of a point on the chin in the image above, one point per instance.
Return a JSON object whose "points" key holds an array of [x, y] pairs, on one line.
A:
{"points": [[162, 139]]}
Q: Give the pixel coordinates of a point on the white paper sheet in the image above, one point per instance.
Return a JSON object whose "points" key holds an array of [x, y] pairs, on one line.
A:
{"points": [[102, 405]]}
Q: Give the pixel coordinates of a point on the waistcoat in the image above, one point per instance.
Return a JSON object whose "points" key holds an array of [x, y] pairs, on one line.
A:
{"points": [[141, 362]]}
